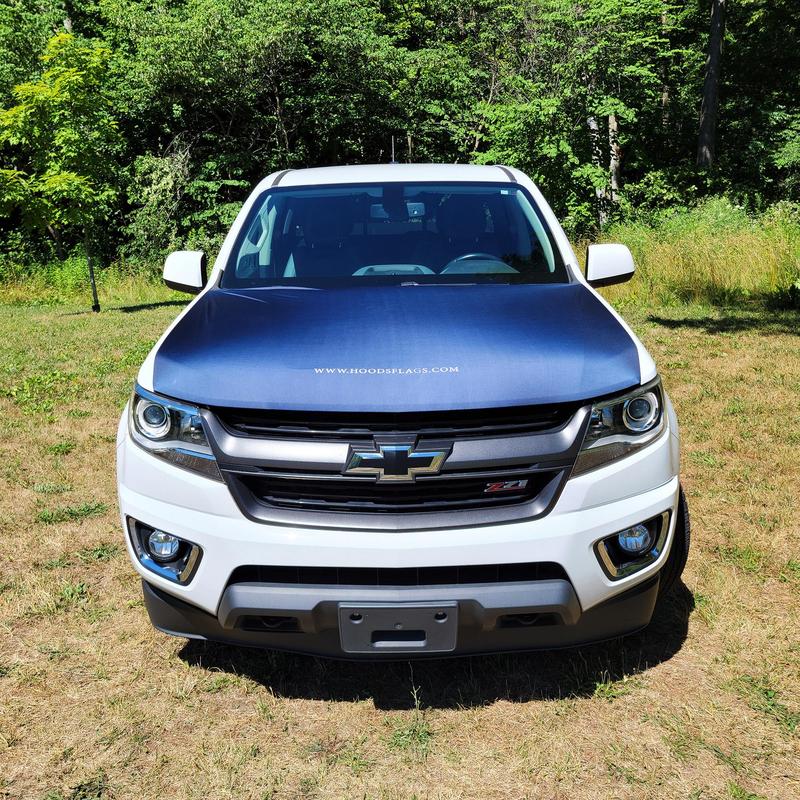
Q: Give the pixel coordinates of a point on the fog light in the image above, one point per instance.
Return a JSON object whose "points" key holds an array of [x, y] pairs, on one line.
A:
{"points": [[635, 540], [163, 553], [627, 551], [163, 546]]}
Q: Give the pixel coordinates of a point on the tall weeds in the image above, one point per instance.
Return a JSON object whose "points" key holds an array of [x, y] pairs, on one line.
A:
{"points": [[716, 253]]}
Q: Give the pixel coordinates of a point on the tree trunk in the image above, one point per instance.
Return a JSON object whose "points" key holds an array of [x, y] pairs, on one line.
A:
{"points": [[56, 237], [706, 141], [597, 161], [614, 158], [92, 281]]}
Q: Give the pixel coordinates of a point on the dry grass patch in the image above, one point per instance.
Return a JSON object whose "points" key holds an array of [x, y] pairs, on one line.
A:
{"points": [[95, 704]]}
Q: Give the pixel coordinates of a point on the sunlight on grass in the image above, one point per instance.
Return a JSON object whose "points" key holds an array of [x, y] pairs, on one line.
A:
{"points": [[701, 704]]}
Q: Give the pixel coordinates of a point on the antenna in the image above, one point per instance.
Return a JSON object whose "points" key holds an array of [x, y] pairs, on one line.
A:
{"points": [[393, 159]]}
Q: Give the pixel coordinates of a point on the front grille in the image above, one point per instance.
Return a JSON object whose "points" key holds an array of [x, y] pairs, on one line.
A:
{"points": [[502, 464], [400, 576], [359, 427], [435, 493]]}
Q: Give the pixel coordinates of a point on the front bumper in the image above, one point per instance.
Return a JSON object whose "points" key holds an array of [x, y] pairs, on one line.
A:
{"points": [[586, 606], [481, 628]]}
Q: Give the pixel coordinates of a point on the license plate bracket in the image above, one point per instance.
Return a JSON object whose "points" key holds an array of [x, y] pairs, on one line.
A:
{"points": [[398, 627]]}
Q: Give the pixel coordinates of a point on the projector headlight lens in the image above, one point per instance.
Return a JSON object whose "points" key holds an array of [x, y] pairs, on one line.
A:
{"points": [[153, 419], [639, 413]]}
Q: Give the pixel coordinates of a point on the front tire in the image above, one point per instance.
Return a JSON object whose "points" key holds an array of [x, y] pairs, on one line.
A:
{"points": [[676, 561]]}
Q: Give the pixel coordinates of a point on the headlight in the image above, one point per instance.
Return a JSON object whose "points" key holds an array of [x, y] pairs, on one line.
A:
{"points": [[172, 431], [621, 426]]}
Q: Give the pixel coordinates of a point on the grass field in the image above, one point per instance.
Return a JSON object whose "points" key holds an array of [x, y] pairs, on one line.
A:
{"points": [[95, 704]]}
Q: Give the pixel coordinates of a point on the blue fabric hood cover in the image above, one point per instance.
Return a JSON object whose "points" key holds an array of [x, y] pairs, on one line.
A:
{"points": [[396, 348]]}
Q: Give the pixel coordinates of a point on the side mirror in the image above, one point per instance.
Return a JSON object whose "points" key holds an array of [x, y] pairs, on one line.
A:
{"points": [[608, 263], [185, 270]]}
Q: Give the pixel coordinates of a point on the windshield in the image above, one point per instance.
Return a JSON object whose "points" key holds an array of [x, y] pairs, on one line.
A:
{"points": [[356, 235]]}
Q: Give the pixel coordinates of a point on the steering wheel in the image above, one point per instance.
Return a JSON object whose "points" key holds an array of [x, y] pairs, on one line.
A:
{"points": [[475, 257], [460, 265]]}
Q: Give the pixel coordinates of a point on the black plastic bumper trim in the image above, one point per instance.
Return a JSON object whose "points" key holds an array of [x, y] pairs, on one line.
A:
{"points": [[482, 613]]}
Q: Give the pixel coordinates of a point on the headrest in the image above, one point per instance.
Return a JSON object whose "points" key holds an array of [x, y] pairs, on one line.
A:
{"points": [[461, 217], [326, 223]]}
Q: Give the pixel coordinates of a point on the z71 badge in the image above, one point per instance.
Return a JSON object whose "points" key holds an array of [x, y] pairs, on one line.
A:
{"points": [[505, 486]]}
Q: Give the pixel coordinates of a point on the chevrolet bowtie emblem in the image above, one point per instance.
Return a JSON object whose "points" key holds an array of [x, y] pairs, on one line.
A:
{"points": [[395, 462]]}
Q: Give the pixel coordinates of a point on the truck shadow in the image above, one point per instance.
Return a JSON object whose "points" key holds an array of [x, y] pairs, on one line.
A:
{"points": [[459, 682], [782, 323]]}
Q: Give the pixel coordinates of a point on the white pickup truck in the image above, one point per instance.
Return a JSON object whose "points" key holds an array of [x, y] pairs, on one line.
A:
{"points": [[398, 420]]}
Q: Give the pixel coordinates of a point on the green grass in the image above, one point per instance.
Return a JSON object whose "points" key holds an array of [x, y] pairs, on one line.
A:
{"points": [[790, 572], [71, 513], [94, 788], [51, 488], [705, 459], [40, 392], [744, 557], [62, 448], [97, 554], [51, 285], [219, 683], [736, 792], [60, 562], [763, 697], [333, 751], [608, 689], [70, 595], [705, 608], [412, 734]]}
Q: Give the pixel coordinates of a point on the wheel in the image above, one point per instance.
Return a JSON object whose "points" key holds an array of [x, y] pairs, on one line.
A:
{"points": [[676, 560]]}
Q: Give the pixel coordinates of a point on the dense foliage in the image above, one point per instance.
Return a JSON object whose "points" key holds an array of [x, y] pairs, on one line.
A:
{"points": [[131, 126]]}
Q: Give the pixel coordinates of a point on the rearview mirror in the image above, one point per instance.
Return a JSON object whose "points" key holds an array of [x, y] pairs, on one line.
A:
{"points": [[608, 263], [185, 270]]}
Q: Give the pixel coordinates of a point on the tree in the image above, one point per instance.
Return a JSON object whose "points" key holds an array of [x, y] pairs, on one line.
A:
{"points": [[25, 27], [596, 99], [60, 145], [595, 70], [706, 140]]}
